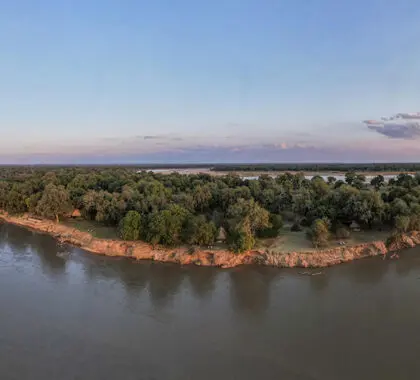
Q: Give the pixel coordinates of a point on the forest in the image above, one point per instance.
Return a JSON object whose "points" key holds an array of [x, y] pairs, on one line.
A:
{"points": [[175, 209]]}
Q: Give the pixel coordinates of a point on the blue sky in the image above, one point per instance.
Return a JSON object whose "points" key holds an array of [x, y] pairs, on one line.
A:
{"points": [[184, 80]]}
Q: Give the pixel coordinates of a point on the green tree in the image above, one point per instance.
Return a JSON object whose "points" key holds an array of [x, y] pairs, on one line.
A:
{"points": [[350, 177], [402, 223], [130, 226], [331, 180], [15, 203], [54, 203], [202, 197], [32, 202], [199, 232], [165, 227], [319, 233], [241, 238], [276, 224], [378, 181], [256, 217]]}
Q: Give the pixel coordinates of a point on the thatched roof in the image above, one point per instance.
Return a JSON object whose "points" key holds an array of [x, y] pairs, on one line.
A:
{"points": [[76, 213], [221, 234]]}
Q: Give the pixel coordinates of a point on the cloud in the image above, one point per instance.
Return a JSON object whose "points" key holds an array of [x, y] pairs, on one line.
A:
{"points": [[152, 137], [398, 131], [401, 126]]}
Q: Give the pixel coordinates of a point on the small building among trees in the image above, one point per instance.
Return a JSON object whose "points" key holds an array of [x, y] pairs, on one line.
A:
{"points": [[221, 235], [76, 214]]}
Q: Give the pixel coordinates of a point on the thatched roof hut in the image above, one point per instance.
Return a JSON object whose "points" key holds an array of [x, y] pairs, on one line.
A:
{"points": [[221, 236], [76, 213]]}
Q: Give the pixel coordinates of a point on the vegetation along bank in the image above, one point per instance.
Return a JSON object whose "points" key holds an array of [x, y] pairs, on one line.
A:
{"points": [[207, 220]]}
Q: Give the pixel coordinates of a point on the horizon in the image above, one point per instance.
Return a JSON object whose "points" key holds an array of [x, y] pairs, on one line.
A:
{"points": [[224, 82]]}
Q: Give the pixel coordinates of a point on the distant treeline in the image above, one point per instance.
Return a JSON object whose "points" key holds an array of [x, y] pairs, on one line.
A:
{"points": [[298, 167], [230, 167]]}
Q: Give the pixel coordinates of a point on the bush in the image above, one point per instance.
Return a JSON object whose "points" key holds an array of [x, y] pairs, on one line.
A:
{"points": [[402, 223], [414, 223], [319, 233], [342, 233], [296, 227]]}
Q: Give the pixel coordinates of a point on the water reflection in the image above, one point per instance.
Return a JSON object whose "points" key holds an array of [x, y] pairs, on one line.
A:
{"points": [[17, 238], [409, 261], [52, 256], [250, 290], [202, 282], [320, 282], [164, 282], [366, 271]]}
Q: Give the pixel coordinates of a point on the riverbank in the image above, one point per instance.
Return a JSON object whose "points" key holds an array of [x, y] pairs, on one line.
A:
{"points": [[208, 257]]}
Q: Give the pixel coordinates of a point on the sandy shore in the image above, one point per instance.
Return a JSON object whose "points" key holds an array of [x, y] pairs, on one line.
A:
{"points": [[220, 258]]}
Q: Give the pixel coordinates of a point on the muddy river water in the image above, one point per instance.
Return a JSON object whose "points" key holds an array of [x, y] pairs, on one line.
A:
{"points": [[67, 314]]}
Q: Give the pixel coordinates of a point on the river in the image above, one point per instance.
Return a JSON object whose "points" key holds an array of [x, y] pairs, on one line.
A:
{"points": [[67, 314]]}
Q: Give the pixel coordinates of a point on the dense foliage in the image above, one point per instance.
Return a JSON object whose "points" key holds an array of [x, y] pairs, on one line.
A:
{"points": [[175, 209]]}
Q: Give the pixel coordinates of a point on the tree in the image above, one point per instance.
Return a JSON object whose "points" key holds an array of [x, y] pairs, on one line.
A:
{"points": [[165, 227], [130, 226], [331, 180], [32, 202], [4, 194], [276, 224], [378, 181], [250, 212], [199, 232], [350, 177], [319, 233], [15, 202], [241, 239], [201, 197], [54, 203], [402, 223], [399, 207]]}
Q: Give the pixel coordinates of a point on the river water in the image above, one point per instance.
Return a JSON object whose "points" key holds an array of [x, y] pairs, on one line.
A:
{"points": [[66, 314]]}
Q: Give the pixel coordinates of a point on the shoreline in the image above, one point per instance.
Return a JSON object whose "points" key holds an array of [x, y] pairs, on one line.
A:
{"points": [[139, 250]]}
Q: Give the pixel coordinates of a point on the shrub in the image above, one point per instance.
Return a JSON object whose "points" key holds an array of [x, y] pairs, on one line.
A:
{"points": [[296, 227], [402, 223], [342, 233]]}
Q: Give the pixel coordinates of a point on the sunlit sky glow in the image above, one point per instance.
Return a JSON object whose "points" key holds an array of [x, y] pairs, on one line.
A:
{"points": [[206, 81]]}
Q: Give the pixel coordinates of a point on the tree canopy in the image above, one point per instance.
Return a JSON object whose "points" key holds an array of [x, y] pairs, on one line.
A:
{"points": [[174, 209]]}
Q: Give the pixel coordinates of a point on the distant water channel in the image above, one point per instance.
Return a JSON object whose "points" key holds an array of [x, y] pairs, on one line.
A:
{"points": [[338, 177], [66, 314]]}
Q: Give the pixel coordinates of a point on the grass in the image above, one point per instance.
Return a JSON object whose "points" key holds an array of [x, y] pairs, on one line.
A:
{"points": [[97, 230], [289, 241]]}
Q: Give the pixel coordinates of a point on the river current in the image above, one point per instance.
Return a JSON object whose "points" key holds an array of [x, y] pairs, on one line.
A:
{"points": [[67, 314]]}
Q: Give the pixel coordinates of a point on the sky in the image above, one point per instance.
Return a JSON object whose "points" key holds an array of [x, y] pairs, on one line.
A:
{"points": [[115, 81]]}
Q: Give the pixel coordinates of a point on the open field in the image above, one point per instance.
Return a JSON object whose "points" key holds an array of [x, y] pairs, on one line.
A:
{"points": [[289, 241]]}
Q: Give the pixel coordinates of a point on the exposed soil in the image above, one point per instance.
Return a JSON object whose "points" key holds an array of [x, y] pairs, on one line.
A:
{"points": [[208, 257]]}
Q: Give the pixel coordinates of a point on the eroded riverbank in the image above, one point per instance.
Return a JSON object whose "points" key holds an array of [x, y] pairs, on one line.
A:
{"points": [[220, 258]]}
